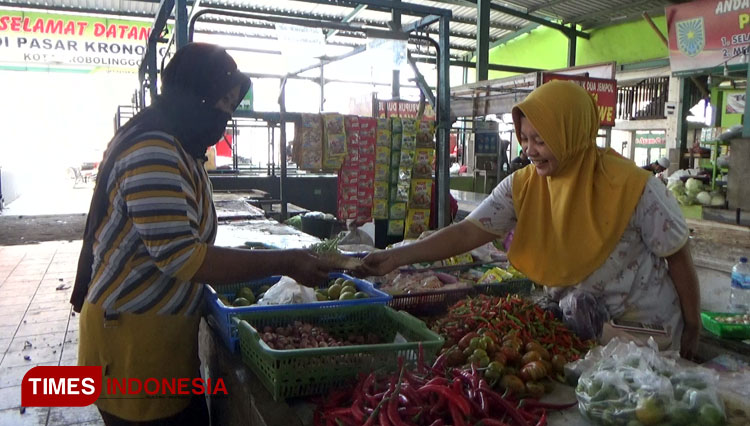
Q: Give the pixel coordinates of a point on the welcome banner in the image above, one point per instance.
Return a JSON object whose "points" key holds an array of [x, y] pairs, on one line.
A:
{"points": [[35, 39]]}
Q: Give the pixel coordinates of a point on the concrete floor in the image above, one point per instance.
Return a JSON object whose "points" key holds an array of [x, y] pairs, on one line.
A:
{"points": [[36, 321]]}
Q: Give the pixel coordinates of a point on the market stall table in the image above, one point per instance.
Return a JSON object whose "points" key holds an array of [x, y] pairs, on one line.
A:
{"points": [[265, 233], [248, 402]]}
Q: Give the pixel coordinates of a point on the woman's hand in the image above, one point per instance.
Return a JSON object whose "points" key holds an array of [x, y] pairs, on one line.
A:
{"points": [[377, 264], [306, 267], [689, 341]]}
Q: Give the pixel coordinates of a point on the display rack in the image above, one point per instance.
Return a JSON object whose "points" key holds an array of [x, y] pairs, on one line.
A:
{"points": [[183, 31]]}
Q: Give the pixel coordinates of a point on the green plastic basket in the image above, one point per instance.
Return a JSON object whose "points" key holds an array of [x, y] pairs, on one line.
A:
{"points": [[729, 331], [301, 372]]}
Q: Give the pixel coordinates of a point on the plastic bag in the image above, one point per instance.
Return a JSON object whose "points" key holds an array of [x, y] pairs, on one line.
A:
{"points": [[583, 314], [632, 384], [356, 236], [288, 292]]}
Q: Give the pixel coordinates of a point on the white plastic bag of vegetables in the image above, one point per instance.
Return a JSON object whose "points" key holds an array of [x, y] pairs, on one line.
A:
{"points": [[636, 386], [287, 292]]}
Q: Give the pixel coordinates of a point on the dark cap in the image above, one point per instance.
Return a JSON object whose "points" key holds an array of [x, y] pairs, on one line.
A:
{"points": [[204, 70]]}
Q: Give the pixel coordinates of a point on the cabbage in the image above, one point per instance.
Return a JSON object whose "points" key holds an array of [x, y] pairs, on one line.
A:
{"points": [[676, 186], [684, 200], [717, 200], [693, 186], [704, 198]]}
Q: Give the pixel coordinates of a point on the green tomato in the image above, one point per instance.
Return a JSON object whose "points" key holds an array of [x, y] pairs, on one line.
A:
{"points": [[710, 415], [477, 343], [649, 411], [241, 301]]}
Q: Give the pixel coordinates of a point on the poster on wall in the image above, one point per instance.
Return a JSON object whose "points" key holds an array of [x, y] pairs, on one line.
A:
{"points": [[735, 103], [604, 91], [708, 33], [30, 40]]}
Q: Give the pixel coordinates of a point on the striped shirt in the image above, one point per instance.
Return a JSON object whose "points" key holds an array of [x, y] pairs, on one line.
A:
{"points": [[154, 236]]}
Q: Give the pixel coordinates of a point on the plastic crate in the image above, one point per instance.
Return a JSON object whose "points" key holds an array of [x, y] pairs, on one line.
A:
{"points": [[438, 301], [729, 331], [220, 315], [302, 372]]}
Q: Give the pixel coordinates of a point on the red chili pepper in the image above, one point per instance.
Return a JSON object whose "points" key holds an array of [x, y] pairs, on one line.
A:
{"points": [[535, 403], [383, 418], [452, 397], [356, 408], [441, 381], [542, 420], [436, 407], [490, 422], [420, 358], [458, 418], [393, 416], [506, 405]]}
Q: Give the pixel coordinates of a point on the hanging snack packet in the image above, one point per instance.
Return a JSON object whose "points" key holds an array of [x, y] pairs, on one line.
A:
{"points": [[382, 173], [397, 211], [383, 155], [381, 191], [395, 228], [421, 194], [383, 132], [417, 222], [380, 209], [308, 147], [423, 160]]}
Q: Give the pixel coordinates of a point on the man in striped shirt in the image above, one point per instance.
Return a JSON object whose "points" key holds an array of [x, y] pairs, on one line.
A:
{"points": [[149, 241]]}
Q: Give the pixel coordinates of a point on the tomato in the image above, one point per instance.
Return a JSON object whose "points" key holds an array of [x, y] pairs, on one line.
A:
{"points": [[534, 389], [477, 343], [489, 344], [511, 354], [500, 357], [709, 415], [530, 356], [558, 363], [455, 358], [515, 344], [649, 411], [513, 384], [534, 370], [464, 342], [479, 353]]}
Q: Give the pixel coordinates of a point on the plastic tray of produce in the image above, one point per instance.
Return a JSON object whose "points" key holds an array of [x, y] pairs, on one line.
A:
{"points": [[438, 301], [374, 337], [727, 325], [220, 313]]}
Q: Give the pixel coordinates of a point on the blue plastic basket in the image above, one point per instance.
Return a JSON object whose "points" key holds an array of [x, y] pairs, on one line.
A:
{"points": [[220, 316]]}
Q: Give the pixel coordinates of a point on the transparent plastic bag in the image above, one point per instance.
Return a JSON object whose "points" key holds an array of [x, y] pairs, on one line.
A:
{"points": [[287, 292], [583, 314], [633, 385]]}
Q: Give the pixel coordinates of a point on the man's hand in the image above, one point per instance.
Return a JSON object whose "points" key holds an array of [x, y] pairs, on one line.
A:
{"points": [[689, 341], [377, 264], [306, 267]]}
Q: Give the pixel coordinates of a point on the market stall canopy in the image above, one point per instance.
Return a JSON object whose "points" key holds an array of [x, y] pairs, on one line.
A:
{"points": [[507, 20]]}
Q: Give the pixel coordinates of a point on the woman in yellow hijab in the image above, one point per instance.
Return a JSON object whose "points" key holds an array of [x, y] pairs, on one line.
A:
{"points": [[585, 218]]}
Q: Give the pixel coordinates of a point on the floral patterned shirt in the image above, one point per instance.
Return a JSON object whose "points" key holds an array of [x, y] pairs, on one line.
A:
{"points": [[633, 283]]}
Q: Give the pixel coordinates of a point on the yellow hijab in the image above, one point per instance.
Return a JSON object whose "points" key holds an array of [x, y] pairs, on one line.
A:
{"points": [[570, 222]]}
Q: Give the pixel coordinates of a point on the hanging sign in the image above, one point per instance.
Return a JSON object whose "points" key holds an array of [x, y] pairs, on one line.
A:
{"points": [[30, 40], [403, 109], [650, 140], [604, 91], [735, 103], [707, 33]]}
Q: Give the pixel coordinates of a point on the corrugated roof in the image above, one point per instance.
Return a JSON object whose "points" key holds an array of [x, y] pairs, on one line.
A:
{"points": [[587, 13]]}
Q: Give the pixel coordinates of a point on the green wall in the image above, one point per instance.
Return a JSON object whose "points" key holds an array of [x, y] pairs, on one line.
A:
{"points": [[547, 48]]}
